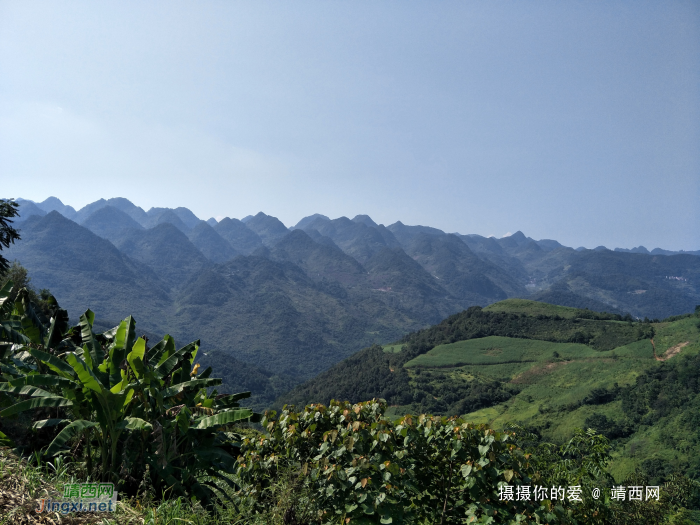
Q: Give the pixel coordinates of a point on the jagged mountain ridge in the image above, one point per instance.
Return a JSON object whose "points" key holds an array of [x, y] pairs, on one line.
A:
{"points": [[295, 301]]}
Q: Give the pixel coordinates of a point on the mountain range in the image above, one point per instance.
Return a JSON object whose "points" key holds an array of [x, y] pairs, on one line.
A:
{"points": [[279, 305]]}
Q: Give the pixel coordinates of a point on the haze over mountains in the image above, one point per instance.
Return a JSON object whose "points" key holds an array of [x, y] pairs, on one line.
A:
{"points": [[279, 305]]}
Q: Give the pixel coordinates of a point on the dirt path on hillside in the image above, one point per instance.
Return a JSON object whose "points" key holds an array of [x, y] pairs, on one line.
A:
{"points": [[674, 350]]}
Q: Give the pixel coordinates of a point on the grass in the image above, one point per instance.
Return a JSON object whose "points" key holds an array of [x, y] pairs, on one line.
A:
{"points": [[393, 349], [524, 306], [494, 350], [24, 482], [553, 380]]}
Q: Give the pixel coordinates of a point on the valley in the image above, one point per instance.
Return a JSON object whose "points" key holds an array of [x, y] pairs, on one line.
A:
{"points": [[280, 305], [547, 368]]}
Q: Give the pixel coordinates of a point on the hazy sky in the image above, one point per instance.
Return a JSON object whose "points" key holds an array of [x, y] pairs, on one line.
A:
{"points": [[578, 121]]}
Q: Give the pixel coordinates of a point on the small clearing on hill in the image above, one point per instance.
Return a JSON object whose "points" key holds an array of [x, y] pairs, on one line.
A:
{"points": [[673, 351]]}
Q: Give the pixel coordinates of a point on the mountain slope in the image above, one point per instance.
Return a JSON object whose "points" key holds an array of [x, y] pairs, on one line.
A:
{"points": [[271, 314], [239, 236], [54, 204], [85, 271], [545, 367], [167, 251], [319, 261], [460, 271], [110, 223], [210, 243], [269, 229], [355, 238]]}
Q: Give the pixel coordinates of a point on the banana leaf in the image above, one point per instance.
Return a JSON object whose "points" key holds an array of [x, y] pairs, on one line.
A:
{"points": [[43, 380], [223, 418], [93, 345], [37, 402], [45, 423], [85, 374], [72, 430], [54, 363], [59, 326], [8, 333], [164, 348], [189, 385], [167, 365]]}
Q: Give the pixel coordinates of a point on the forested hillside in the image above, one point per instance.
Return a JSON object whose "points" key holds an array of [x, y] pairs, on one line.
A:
{"points": [[548, 368], [291, 302]]}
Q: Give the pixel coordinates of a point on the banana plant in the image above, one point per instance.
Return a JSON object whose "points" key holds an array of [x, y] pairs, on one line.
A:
{"points": [[124, 393]]}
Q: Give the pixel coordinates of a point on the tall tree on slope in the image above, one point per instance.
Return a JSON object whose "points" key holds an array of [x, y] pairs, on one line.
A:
{"points": [[8, 235]]}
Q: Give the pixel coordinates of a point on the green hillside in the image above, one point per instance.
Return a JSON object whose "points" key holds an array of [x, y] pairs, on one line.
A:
{"points": [[495, 350], [548, 368], [524, 306]]}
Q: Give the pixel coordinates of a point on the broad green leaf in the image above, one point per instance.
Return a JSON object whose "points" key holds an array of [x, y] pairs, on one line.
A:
{"points": [[5, 291], [87, 378], [44, 423], [25, 390], [189, 385], [183, 421], [135, 357], [6, 441], [14, 336], [43, 380], [222, 418], [74, 429], [31, 324], [162, 350], [93, 346], [167, 366], [37, 402], [231, 400], [135, 423], [54, 363], [58, 327]]}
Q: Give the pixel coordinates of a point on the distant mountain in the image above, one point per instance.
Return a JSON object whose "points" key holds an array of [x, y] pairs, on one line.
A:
{"points": [[186, 220], [653, 286], [167, 251], [87, 271], [211, 244], [308, 220], [638, 249], [84, 212], [403, 283], [239, 236], [319, 261], [354, 238], [291, 303], [110, 223], [27, 209], [460, 271], [549, 244], [133, 211], [513, 243], [273, 315], [405, 234], [269, 229], [54, 204], [366, 220]]}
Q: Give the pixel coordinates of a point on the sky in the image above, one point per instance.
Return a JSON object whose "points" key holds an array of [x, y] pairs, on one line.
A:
{"points": [[575, 121]]}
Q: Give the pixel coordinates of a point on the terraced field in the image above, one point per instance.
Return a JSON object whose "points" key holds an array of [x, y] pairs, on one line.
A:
{"points": [[494, 350]]}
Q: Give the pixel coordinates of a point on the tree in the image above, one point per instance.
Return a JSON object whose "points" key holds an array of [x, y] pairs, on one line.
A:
{"points": [[8, 235]]}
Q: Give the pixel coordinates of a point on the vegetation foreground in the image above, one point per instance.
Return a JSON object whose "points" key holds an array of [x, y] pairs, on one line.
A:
{"points": [[111, 407]]}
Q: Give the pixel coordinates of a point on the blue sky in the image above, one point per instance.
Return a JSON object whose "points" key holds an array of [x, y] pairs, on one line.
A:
{"points": [[578, 121]]}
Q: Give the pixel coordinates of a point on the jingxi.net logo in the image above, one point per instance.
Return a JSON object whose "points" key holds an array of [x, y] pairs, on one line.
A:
{"points": [[82, 497]]}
